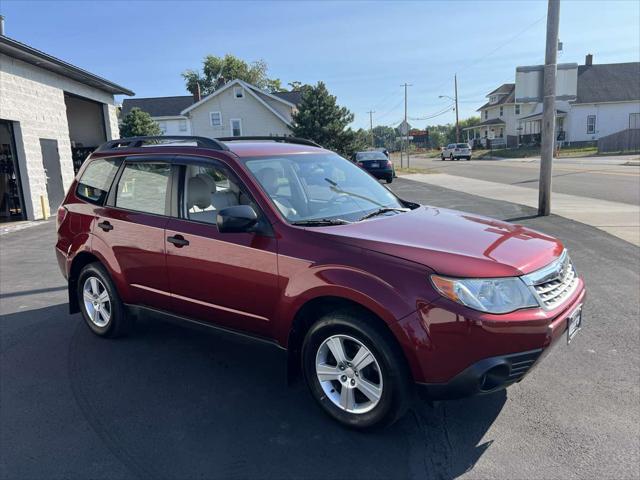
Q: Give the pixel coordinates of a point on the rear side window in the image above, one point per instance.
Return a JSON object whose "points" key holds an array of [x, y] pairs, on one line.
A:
{"points": [[144, 187], [96, 179]]}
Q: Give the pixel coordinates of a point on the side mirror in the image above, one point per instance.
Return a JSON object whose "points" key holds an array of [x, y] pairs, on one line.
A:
{"points": [[237, 219]]}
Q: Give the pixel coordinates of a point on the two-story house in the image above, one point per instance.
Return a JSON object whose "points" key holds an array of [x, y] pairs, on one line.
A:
{"points": [[592, 101], [236, 109], [241, 109]]}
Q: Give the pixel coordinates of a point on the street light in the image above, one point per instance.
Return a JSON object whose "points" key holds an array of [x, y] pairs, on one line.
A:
{"points": [[447, 96]]}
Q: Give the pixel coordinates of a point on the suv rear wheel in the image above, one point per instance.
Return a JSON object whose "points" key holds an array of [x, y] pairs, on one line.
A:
{"points": [[354, 372], [100, 303]]}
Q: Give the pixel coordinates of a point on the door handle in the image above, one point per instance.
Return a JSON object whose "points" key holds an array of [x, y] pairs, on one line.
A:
{"points": [[178, 240], [106, 226]]}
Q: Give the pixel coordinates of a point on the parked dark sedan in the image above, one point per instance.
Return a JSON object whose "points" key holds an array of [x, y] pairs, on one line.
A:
{"points": [[376, 163]]}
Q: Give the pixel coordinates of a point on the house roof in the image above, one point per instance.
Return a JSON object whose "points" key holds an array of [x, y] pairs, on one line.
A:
{"points": [[253, 91], [504, 88], [508, 91], [21, 51], [294, 97], [493, 121], [158, 106], [613, 82]]}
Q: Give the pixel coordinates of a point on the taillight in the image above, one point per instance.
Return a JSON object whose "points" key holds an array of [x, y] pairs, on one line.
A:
{"points": [[389, 164], [62, 214]]}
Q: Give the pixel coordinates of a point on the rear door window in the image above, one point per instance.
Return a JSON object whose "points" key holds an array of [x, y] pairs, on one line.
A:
{"points": [[96, 179], [144, 187]]}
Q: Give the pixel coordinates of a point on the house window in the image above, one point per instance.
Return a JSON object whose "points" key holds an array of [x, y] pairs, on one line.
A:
{"points": [[486, 114], [634, 120], [517, 107], [591, 124], [216, 119], [236, 127], [238, 92], [163, 127], [182, 125], [501, 111], [501, 133]]}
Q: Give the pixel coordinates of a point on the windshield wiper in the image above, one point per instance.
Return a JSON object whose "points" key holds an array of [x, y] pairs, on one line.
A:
{"points": [[380, 211], [319, 222], [338, 189]]}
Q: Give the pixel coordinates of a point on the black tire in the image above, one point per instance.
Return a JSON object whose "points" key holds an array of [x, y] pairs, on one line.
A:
{"points": [[390, 179], [442, 157], [119, 324], [468, 159], [451, 158], [394, 373]]}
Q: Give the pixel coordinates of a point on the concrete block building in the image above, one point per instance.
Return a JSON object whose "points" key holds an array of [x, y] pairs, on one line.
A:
{"points": [[52, 114]]}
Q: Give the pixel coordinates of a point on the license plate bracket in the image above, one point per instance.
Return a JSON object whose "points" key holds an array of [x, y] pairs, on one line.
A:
{"points": [[574, 323]]}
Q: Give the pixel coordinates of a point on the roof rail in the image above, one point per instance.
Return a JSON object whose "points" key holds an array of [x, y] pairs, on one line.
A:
{"points": [[281, 139], [135, 142]]}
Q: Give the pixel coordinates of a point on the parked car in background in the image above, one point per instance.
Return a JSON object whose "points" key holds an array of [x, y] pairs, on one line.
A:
{"points": [[376, 163], [456, 151], [370, 295]]}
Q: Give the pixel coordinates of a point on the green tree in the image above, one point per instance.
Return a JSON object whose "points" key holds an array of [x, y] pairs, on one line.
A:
{"points": [[216, 71], [321, 119], [385, 137], [137, 123]]}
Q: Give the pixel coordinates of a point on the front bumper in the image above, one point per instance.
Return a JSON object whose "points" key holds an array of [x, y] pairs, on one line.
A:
{"points": [[454, 352], [486, 376]]}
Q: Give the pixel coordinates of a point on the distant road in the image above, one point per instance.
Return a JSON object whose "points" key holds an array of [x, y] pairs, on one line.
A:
{"points": [[606, 178]]}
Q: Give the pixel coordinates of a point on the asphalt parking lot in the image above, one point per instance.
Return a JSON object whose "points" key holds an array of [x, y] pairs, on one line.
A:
{"points": [[171, 402]]}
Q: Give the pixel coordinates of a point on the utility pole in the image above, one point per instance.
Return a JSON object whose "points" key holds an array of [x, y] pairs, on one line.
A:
{"points": [[371, 112], [548, 108], [455, 82], [406, 125]]}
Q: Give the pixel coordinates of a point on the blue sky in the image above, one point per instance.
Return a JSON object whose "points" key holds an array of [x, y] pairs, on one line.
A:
{"points": [[362, 50]]}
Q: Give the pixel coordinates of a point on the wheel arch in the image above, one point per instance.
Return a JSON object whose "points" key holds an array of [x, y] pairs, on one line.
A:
{"points": [[313, 310], [81, 260]]}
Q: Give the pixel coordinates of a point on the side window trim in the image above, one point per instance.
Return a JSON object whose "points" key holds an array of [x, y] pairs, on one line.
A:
{"points": [[111, 198]]}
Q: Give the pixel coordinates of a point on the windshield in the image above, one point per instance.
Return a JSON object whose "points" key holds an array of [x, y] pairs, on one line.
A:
{"points": [[370, 156], [463, 145], [319, 186]]}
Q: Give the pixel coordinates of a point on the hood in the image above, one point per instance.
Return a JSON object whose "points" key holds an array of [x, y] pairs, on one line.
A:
{"points": [[453, 243]]}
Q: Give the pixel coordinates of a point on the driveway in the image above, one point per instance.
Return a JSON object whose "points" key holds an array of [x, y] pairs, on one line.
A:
{"points": [[172, 402]]}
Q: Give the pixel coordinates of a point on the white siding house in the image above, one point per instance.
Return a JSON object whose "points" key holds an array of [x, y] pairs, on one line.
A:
{"points": [[240, 109], [50, 112], [592, 101]]}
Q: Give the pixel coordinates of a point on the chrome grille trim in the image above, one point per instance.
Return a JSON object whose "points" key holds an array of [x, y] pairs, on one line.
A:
{"points": [[553, 284]]}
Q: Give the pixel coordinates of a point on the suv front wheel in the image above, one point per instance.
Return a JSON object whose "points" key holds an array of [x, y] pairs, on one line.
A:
{"points": [[355, 372], [100, 303]]}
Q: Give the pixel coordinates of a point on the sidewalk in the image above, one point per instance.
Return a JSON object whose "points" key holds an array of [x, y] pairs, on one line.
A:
{"points": [[619, 219]]}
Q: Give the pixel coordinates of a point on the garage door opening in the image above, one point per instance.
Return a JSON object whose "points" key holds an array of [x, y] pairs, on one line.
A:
{"points": [[11, 198], [87, 129]]}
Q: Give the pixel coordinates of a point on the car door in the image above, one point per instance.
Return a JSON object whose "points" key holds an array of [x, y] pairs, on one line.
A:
{"points": [[129, 230], [229, 279]]}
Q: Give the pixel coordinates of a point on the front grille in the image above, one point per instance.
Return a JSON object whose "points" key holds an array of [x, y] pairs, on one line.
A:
{"points": [[554, 283]]}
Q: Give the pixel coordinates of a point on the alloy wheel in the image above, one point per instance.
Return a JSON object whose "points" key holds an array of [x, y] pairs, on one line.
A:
{"points": [[349, 374], [97, 303]]}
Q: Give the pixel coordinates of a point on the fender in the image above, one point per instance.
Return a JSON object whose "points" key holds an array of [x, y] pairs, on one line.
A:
{"points": [[340, 281]]}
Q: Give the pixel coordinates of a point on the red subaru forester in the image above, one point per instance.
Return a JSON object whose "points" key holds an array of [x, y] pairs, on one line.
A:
{"points": [[285, 241]]}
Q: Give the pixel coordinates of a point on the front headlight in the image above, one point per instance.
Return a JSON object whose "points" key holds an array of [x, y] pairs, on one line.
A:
{"points": [[491, 295]]}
